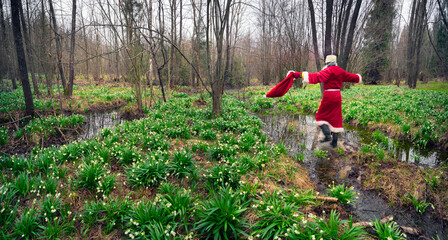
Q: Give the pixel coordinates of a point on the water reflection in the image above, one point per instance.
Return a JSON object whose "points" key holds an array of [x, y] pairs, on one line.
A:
{"points": [[303, 133], [99, 120]]}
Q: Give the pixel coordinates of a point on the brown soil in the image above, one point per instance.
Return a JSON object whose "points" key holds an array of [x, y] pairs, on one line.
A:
{"points": [[394, 180], [25, 145]]}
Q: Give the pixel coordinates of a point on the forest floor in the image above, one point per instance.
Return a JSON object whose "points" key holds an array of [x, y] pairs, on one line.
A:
{"points": [[175, 161]]}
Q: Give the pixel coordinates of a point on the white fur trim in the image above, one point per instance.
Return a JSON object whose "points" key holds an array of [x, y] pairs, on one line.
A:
{"points": [[332, 129], [306, 78], [290, 71], [360, 78], [264, 96]]}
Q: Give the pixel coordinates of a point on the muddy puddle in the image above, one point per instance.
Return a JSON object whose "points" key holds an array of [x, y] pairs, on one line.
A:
{"points": [[96, 121], [300, 134]]}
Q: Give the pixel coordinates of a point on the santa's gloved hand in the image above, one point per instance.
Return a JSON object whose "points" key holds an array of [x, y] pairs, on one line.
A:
{"points": [[289, 73], [295, 74]]}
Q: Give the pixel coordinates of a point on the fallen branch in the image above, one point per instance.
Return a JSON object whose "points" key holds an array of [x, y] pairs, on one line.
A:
{"points": [[62, 134], [408, 230], [327, 199], [15, 121], [369, 224]]}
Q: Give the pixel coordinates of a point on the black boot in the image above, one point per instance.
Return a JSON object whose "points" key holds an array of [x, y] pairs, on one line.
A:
{"points": [[334, 142], [326, 132]]}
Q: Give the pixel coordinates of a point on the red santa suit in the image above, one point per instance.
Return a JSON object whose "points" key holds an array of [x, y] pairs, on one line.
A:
{"points": [[330, 111]]}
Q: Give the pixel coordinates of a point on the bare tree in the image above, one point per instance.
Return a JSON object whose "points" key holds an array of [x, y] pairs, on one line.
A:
{"points": [[23, 72], [344, 56], [30, 65], [314, 33], [69, 88], [197, 44], [417, 25], [220, 21], [328, 27], [7, 46], [58, 43]]}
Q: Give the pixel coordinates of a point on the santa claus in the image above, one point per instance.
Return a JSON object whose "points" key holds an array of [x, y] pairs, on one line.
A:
{"points": [[329, 115]]}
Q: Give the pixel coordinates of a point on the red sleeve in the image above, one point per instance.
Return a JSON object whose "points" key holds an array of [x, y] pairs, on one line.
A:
{"points": [[350, 77], [321, 76]]}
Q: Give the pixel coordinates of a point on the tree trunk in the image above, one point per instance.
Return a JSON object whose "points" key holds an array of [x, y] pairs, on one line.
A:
{"points": [[415, 37], [351, 33], [23, 73], [69, 88], [328, 27], [178, 62], [266, 73], [58, 44], [344, 28], [197, 46], [316, 48], [133, 53], [7, 46], [44, 53], [86, 49], [28, 52], [339, 27], [220, 23]]}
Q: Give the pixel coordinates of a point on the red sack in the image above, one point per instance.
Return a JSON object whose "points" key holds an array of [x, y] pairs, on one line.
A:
{"points": [[283, 87]]}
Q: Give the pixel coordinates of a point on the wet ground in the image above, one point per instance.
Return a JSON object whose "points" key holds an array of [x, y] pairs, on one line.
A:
{"points": [[301, 135]]}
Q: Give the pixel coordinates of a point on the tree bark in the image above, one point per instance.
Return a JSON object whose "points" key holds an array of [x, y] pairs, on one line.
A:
{"points": [[415, 37], [86, 49], [351, 33], [328, 27], [58, 43], [44, 58], [442, 14], [28, 52], [197, 46], [23, 73], [221, 22], [316, 47], [7, 48], [69, 88], [339, 27], [344, 28]]}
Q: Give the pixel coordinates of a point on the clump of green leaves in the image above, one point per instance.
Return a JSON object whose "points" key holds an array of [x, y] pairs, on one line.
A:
{"points": [[221, 150], [208, 134], [3, 135], [89, 174], [28, 225], [388, 230], [345, 195], [107, 184], [379, 137], [320, 153], [149, 220], [433, 179], [182, 163], [148, 172], [276, 216], [220, 217], [420, 206], [155, 142], [223, 176], [8, 205], [24, 184]]}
